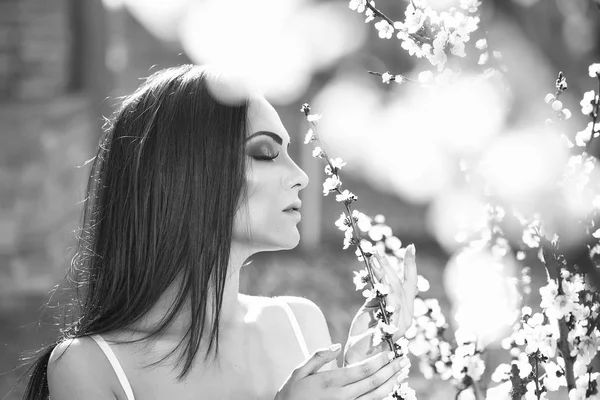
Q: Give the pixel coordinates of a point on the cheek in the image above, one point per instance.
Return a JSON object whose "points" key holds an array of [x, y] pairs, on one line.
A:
{"points": [[251, 212]]}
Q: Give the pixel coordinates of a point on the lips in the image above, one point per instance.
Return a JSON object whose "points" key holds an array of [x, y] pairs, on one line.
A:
{"points": [[295, 206]]}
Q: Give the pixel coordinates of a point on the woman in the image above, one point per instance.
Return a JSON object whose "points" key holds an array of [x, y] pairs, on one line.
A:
{"points": [[183, 190]]}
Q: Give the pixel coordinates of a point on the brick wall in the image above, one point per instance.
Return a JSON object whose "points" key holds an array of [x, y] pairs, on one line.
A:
{"points": [[45, 133], [35, 48]]}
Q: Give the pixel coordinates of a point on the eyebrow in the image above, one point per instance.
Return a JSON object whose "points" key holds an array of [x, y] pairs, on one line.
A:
{"points": [[272, 135]]}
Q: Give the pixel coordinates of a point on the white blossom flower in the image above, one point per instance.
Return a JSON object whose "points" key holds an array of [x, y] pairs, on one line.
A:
{"points": [[583, 136], [580, 312], [318, 152], [594, 70], [406, 392], [530, 236], [457, 45], [348, 238], [465, 362], [367, 249], [557, 105], [384, 29], [331, 184], [561, 307], [411, 46], [438, 58], [530, 393], [481, 44], [337, 163], [414, 18], [470, 5], [582, 385], [370, 14], [522, 363], [540, 337], [345, 197], [361, 278], [555, 376], [342, 223], [549, 98], [589, 98], [310, 137], [502, 373], [572, 285], [584, 346], [499, 392], [383, 331], [358, 5], [386, 77], [399, 79], [382, 289]]}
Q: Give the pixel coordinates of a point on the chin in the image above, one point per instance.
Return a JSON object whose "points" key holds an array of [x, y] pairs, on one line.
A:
{"points": [[285, 241]]}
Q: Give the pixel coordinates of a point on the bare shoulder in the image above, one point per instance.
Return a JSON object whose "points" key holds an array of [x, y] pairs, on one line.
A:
{"points": [[78, 369], [311, 320]]}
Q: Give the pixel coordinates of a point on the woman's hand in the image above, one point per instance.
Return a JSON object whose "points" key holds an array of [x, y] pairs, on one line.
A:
{"points": [[401, 297], [371, 379]]}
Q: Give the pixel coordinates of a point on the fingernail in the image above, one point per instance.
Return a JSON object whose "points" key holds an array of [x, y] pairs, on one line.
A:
{"points": [[391, 355], [405, 362], [413, 249], [335, 347]]}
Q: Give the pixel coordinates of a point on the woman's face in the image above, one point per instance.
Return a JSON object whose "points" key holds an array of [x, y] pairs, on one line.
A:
{"points": [[267, 219]]}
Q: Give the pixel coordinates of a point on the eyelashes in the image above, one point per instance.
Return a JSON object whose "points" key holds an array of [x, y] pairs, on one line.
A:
{"points": [[263, 152], [265, 157]]}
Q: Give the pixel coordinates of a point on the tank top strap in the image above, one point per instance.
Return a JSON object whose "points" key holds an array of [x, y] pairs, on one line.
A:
{"points": [[114, 362], [296, 327]]}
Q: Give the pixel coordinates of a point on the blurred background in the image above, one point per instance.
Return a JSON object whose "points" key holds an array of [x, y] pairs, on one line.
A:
{"points": [[64, 64]]}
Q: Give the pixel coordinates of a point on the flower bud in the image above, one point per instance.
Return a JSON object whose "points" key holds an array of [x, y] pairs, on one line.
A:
{"points": [[557, 105]]}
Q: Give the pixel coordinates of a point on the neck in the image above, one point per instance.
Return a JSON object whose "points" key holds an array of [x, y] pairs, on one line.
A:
{"points": [[233, 311]]}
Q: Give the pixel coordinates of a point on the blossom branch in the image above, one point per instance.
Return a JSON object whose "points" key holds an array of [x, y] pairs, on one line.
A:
{"points": [[386, 77], [596, 110], [356, 236], [378, 13], [553, 271]]}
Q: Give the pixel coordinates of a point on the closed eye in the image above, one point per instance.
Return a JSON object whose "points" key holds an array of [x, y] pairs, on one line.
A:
{"points": [[265, 157]]}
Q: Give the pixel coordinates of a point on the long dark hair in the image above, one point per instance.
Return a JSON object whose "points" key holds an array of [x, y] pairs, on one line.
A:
{"points": [[167, 180]]}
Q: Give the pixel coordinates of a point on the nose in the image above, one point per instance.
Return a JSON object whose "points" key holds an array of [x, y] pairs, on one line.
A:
{"points": [[297, 177]]}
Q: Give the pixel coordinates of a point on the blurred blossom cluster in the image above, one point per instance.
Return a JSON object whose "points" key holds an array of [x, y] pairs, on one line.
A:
{"points": [[501, 198], [266, 44]]}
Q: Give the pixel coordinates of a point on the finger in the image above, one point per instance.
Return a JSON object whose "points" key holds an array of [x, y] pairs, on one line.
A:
{"points": [[396, 296], [361, 370], [386, 272], [377, 384], [376, 267], [317, 361], [410, 273], [363, 344]]}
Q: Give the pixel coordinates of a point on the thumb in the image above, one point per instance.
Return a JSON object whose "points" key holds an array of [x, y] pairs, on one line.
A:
{"points": [[318, 360]]}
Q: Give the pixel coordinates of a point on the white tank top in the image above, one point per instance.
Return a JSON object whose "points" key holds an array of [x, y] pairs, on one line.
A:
{"points": [[114, 362]]}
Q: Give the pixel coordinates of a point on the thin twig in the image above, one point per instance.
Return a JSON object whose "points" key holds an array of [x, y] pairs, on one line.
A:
{"points": [[595, 112], [357, 236]]}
